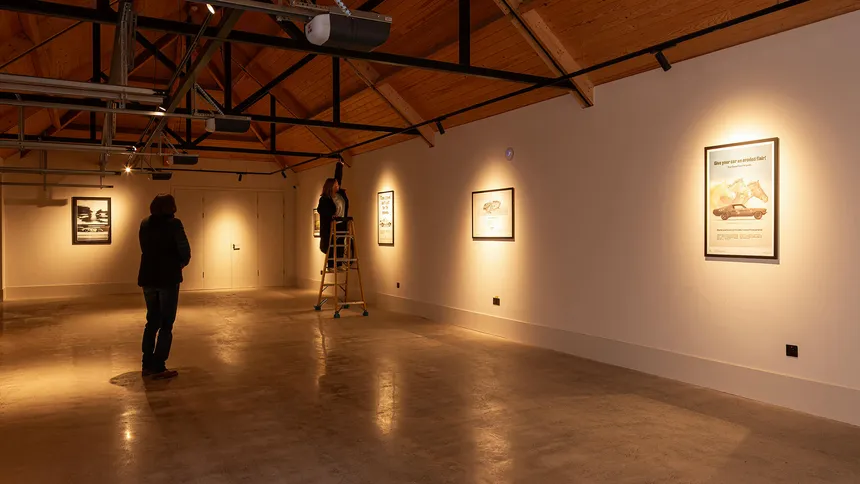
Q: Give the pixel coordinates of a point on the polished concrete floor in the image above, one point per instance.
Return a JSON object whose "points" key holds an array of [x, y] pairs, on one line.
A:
{"points": [[272, 392]]}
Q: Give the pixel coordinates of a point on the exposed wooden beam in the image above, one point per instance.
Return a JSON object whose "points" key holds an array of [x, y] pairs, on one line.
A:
{"points": [[401, 106], [41, 62], [538, 34]]}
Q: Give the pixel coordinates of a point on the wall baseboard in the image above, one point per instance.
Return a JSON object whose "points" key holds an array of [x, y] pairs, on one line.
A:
{"points": [[68, 291], [816, 398]]}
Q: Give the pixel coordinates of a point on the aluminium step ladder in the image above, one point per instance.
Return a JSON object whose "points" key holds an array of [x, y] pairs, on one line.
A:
{"points": [[338, 264]]}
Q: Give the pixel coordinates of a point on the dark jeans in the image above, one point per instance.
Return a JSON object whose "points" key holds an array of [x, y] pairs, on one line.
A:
{"points": [[161, 303]]}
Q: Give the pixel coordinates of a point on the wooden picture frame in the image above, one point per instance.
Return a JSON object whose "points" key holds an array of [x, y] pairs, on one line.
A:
{"points": [[493, 218], [385, 218], [91, 221], [742, 200]]}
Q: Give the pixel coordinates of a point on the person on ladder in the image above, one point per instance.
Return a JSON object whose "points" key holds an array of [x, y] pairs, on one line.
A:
{"points": [[333, 204]]}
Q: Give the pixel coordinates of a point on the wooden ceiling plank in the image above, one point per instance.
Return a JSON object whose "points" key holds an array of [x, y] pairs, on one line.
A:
{"points": [[537, 33], [401, 106], [39, 58]]}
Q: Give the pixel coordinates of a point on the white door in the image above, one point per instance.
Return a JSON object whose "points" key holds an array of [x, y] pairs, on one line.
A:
{"points": [[189, 205], [244, 240], [270, 238], [230, 240]]}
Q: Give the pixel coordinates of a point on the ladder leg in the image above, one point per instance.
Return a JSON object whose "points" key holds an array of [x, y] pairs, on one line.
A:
{"points": [[334, 248], [318, 306], [358, 271], [347, 254]]}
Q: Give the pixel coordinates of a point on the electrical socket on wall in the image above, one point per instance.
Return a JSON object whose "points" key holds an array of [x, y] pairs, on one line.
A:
{"points": [[791, 350], [497, 301]]}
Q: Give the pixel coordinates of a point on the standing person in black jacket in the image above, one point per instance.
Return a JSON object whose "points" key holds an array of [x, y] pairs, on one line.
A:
{"points": [[165, 252], [333, 204]]}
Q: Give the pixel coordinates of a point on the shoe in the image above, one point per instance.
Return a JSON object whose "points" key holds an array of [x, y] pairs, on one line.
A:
{"points": [[164, 374], [147, 372]]}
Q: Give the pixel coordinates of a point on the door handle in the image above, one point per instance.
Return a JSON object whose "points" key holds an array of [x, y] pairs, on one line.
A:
{"points": [[236, 248]]}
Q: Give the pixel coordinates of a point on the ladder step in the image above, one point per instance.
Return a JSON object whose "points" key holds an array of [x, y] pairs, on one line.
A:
{"points": [[338, 284], [343, 260], [351, 303]]}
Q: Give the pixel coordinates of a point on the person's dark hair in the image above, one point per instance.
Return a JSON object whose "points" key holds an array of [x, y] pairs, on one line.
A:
{"points": [[163, 204], [328, 188]]}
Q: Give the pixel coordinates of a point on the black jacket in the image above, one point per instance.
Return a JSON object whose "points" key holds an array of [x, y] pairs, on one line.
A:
{"points": [[164, 251], [327, 210]]}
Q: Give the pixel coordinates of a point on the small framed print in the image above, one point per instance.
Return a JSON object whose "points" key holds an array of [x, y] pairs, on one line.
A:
{"points": [[742, 200], [493, 214], [316, 224], [91, 221], [385, 218]]}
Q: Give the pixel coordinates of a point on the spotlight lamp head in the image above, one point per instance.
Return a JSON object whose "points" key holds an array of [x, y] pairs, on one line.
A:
{"points": [[664, 62], [211, 8], [440, 127], [240, 176], [284, 174]]}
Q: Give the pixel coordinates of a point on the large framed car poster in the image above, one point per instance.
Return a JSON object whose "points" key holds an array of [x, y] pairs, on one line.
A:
{"points": [[385, 218], [91, 221], [493, 214], [742, 200]]}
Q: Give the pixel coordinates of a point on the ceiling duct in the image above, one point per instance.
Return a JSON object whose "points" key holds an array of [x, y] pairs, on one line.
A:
{"points": [[228, 124], [325, 25], [58, 87]]}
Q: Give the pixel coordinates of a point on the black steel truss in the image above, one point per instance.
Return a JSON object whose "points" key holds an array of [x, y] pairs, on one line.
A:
{"points": [[183, 28]]}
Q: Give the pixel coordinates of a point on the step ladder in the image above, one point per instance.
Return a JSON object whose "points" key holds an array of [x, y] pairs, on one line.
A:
{"points": [[343, 264]]}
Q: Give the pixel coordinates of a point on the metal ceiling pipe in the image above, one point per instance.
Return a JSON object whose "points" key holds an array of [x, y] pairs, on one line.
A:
{"points": [[80, 85], [98, 109], [44, 145], [87, 93], [59, 185], [55, 171]]}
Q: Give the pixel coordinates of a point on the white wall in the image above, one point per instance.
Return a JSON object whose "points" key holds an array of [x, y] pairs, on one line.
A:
{"points": [[608, 258], [40, 260]]}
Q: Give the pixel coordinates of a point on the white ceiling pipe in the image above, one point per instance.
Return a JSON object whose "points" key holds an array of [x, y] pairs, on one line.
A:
{"points": [[87, 86], [98, 109], [63, 91], [44, 145]]}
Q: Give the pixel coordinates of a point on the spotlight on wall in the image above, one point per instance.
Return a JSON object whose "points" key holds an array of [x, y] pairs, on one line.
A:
{"points": [[664, 62], [440, 127], [284, 174]]}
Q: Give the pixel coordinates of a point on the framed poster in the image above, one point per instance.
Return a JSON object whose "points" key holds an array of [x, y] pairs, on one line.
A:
{"points": [[742, 200], [91, 221], [493, 214], [385, 218], [316, 224]]}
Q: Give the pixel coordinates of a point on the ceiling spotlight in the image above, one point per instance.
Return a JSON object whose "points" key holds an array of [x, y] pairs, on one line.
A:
{"points": [[440, 127], [128, 169], [240, 177], [284, 174], [211, 9], [509, 154], [664, 62]]}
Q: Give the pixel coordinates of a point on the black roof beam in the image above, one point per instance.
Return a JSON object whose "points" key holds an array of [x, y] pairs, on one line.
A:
{"points": [[183, 28]]}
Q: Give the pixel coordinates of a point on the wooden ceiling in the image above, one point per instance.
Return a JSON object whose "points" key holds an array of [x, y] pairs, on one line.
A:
{"points": [[587, 32]]}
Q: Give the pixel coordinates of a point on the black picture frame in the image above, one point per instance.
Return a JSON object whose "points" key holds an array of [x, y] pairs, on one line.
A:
{"points": [[316, 224], [513, 215], [776, 201], [378, 222], [93, 235]]}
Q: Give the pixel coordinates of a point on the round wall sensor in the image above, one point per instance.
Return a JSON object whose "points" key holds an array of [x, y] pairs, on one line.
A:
{"points": [[509, 154]]}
